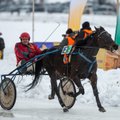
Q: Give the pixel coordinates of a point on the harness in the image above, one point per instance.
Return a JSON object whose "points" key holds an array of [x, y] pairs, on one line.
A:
{"points": [[89, 61]]}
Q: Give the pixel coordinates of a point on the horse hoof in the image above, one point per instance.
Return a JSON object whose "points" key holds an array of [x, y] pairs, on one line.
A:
{"points": [[65, 109], [82, 91], [102, 109], [50, 97]]}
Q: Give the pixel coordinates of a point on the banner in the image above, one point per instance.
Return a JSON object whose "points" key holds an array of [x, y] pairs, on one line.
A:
{"points": [[75, 13], [48, 44], [117, 34]]}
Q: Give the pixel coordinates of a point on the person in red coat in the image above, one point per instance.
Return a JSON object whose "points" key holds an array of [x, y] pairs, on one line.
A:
{"points": [[24, 50]]}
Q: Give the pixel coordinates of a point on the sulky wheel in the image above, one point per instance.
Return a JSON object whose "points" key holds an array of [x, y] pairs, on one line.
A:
{"points": [[67, 91], [7, 94]]}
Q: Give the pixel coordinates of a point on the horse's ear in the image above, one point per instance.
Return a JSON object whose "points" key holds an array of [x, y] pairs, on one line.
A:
{"points": [[96, 28], [102, 28]]}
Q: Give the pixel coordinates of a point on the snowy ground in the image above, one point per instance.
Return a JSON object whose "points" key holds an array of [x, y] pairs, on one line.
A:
{"points": [[50, 110], [34, 104]]}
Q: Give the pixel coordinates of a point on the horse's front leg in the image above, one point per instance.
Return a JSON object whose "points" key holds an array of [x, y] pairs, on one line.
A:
{"points": [[79, 85], [93, 80]]}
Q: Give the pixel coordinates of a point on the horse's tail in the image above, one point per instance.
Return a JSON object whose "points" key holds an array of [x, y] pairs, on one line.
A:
{"points": [[38, 72]]}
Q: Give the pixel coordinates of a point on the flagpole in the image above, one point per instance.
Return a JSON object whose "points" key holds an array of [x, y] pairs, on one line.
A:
{"points": [[33, 11]]}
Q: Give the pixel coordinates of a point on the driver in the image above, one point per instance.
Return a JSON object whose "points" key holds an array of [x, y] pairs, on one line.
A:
{"points": [[24, 50]]}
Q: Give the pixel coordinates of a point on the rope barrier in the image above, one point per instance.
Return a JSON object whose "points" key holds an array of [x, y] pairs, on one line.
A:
{"points": [[51, 34]]}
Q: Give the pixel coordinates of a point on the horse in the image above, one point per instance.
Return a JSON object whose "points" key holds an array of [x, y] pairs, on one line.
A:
{"points": [[82, 65]]}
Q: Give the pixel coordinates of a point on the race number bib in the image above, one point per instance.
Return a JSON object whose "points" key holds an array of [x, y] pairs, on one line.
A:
{"points": [[66, 49]]}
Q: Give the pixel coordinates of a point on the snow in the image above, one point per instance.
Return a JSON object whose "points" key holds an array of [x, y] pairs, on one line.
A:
{"points": [[34, 104]]}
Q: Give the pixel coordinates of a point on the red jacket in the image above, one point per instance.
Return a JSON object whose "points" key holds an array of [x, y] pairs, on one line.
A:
{"points": [[26, 52]]}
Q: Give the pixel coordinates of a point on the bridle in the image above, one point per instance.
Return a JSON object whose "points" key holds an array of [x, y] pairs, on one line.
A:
{"points": [[105, 40], [99, 37], [101, 33]]}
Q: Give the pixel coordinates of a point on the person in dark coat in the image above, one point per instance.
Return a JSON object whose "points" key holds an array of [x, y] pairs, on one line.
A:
{"points": [[84, 32], [68, 38], [2, 46]]}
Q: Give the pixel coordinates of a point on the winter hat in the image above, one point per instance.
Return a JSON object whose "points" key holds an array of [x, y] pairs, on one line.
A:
{"points": [[69, 31], [86, 25], [0, 33]]}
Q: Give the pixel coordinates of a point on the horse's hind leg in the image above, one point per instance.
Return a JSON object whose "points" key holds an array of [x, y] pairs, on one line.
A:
{"points": [[55, 89], [52, 95], [93, 79]]}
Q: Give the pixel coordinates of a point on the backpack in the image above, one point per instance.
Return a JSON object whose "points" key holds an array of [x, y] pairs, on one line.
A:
{"points": [[2, 44]]}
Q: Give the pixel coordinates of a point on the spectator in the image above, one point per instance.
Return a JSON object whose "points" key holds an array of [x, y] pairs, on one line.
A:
{"points": [[2, 46]]}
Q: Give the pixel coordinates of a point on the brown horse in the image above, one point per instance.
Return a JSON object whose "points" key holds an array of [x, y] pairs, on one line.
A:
{"points": [[82, 65]]}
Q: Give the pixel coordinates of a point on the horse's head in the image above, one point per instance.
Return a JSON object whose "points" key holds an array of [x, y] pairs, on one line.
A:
{"points": [[104, 40]]}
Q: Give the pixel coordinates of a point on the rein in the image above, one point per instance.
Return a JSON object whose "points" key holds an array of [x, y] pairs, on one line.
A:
{"points": [[87, 47], [92, 36], [91, 63]]}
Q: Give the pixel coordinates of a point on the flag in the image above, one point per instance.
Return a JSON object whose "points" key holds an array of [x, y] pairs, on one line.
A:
{"points": [[117, 33], [75, 13]]}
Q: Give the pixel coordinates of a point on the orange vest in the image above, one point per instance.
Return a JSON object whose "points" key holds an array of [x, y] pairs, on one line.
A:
{"points": [[71, 41], [87, 32]]}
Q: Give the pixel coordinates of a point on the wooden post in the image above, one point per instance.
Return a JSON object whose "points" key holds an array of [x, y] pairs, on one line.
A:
{"points": [[33, 20]]}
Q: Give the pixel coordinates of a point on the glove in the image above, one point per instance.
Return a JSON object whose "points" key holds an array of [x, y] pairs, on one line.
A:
{"points": [[43, 47], [23, 61], [25, 54]]}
